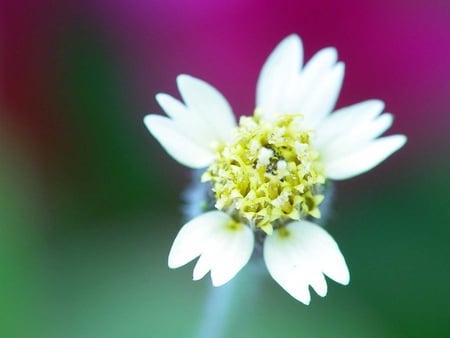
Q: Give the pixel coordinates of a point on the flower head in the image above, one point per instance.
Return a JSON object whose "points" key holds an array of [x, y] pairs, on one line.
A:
{"points": [[268, 174]]}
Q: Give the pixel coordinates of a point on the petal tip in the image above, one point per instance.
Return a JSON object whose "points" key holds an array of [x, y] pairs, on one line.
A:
{"points": [[173, 262], [341, 67], [217, 282], [402, 140], [344, 278], [161, 98], [150, 119], [196, 277], [293, 39], [185, 79], [331, 53], [303, 299]]}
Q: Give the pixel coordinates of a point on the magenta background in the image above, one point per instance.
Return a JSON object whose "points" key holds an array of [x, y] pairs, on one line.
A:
{"points": [[394, 50]]}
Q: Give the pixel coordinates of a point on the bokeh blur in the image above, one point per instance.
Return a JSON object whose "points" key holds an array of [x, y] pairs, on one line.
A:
{"points": [[90, 203]]}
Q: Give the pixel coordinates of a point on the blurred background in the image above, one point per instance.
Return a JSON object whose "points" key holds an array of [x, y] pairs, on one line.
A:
{"points": [[90, 203]]}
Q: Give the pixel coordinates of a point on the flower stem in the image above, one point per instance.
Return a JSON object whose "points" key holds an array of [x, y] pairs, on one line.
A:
{"points": [[215, 313], [227, 302]]}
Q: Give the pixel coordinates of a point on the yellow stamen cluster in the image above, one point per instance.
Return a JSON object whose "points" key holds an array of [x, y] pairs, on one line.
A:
{"points": [[269, 174]]}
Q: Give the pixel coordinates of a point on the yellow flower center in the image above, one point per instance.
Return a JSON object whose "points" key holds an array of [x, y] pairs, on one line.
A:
{"points": [[269, 174]]}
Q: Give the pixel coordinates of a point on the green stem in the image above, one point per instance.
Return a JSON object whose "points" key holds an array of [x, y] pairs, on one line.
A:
{"points": [[241, 291], [216, 311]]}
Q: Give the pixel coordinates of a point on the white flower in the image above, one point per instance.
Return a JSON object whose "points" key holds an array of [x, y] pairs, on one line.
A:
{"points": [[268, 172], [299, 254], [224, 246]]}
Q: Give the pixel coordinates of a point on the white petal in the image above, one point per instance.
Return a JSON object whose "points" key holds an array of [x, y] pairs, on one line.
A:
{"points": [[227, 251], [363, 159], [322, 101], [203, 266], [375, 128], [318, 65], [318, 243], [177, 144], [280, 69], [213, 246], [209, 105], [343, 120], [223, 250], [311, 78], [301, 257], [239, 248], [280, 257], [356, 138], [186, 120], [194, 236]]}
